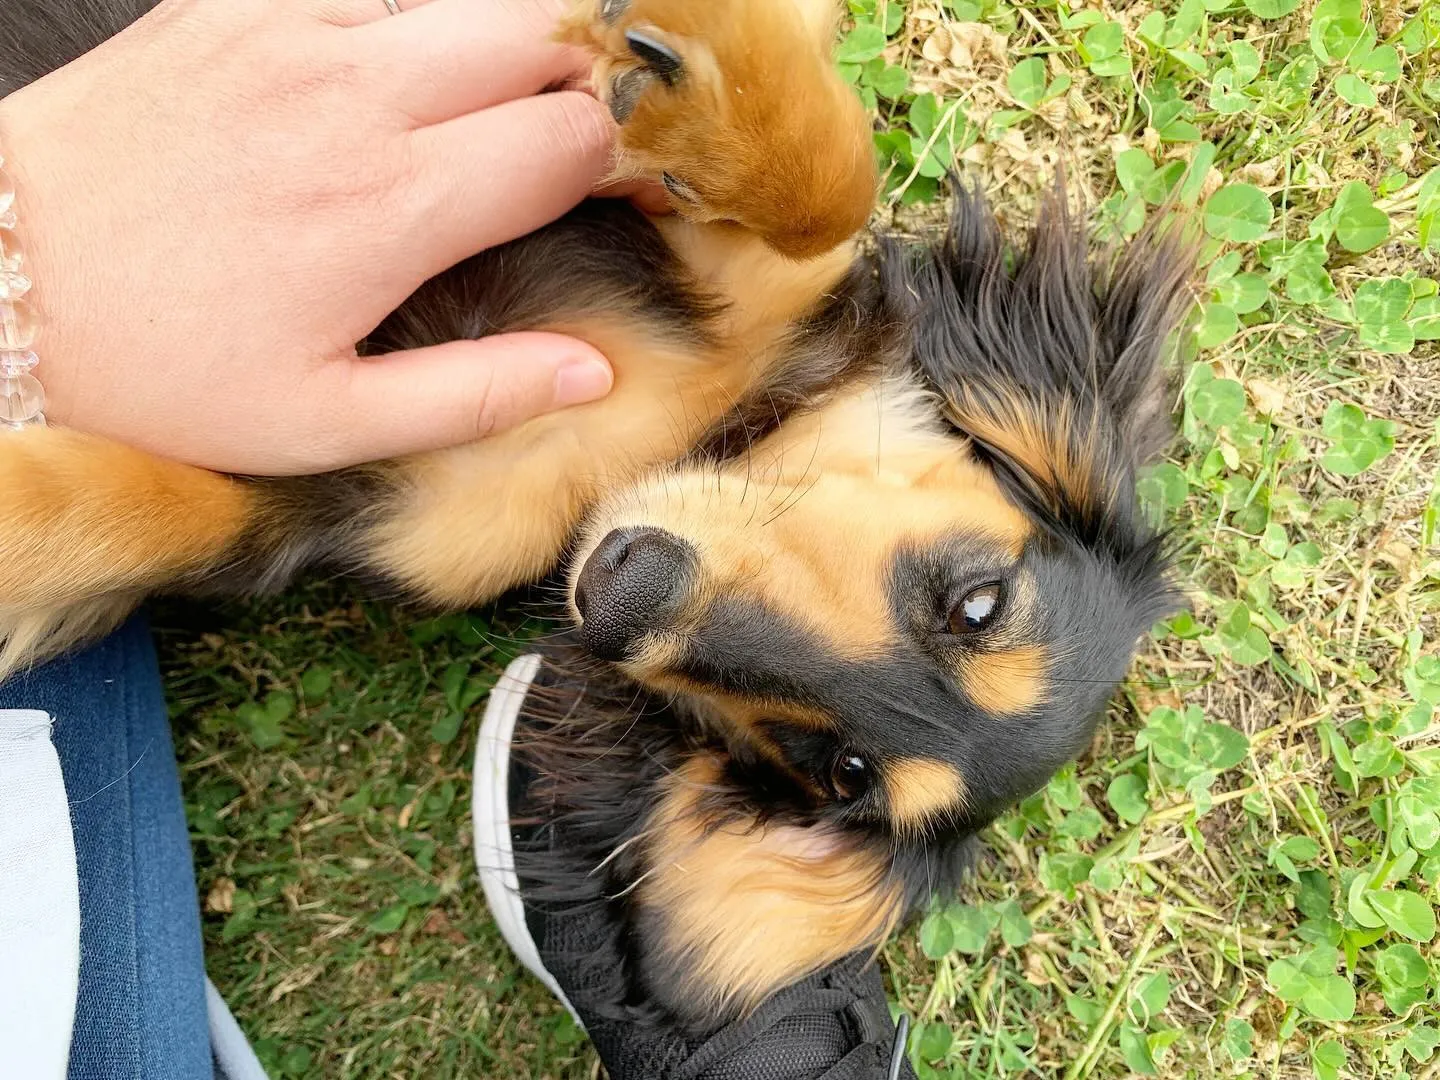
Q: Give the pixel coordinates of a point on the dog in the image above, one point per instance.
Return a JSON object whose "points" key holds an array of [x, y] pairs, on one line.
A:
{"points": [[853, 550]]}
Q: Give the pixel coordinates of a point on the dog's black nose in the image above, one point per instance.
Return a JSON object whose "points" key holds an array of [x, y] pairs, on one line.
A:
{"points": [[632, 583]]}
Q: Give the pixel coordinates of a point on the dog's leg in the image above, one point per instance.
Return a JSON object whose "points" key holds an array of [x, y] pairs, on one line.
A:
{"points": [[89, 526], [736, 107]]}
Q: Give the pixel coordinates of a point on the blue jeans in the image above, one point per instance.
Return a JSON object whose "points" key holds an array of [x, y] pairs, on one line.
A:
{"points": [[141, 1011]]}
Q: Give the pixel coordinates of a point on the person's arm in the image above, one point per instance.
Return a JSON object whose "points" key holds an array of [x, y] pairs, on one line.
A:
{"points": [[220, 201]]}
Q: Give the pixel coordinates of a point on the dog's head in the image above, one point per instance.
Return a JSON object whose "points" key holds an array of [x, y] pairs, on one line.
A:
{"points": [[886, 598], [915, 598]]}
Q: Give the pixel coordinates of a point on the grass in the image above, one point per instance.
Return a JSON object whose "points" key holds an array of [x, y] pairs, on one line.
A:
{"points": [[1239, 879]]}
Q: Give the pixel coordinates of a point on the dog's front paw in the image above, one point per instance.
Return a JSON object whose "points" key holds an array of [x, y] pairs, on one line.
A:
{"points": [[736, 107]]}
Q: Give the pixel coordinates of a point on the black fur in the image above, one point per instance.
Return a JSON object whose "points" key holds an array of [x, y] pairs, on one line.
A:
{"points": [[1053, 325], [38, 36], [604, 257]]}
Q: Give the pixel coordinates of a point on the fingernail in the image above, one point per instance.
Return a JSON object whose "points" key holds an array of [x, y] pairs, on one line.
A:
{"points": [[582, 379]]}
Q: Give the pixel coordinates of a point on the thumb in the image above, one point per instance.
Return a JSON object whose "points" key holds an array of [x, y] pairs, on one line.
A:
{"points": [[461, 391]]}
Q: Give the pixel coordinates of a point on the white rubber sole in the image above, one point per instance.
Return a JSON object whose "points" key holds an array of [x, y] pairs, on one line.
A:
{"points": [[490, 813]]}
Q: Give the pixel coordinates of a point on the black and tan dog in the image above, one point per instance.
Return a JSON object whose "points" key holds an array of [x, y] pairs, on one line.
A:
{"points": [[864, 526]]}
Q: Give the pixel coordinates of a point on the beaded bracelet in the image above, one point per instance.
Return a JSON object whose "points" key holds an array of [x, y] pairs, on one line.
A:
{"points": [[22, 400]]}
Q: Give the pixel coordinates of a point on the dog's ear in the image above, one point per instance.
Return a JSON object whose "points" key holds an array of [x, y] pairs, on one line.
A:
{"points": [[1051, 358]]}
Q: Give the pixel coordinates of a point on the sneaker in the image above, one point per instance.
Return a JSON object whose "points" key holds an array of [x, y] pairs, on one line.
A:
{"points": [[540, 879]]}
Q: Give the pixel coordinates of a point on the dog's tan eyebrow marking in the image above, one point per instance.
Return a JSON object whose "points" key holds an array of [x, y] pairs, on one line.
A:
{"points": [[1057, 448], [1005, 682], [919, 789]]}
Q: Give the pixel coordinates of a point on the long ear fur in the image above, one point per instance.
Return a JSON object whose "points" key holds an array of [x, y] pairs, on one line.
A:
{"points": [[1051, 359]]}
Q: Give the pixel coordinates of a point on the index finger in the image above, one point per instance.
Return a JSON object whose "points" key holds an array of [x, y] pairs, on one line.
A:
{"points": [[491, 176], [446, 58]]}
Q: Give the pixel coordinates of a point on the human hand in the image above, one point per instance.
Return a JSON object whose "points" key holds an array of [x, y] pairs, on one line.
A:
{"points": [[220, 201]]}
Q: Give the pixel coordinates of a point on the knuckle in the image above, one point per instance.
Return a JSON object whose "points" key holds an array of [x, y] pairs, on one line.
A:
{"points": [[576, 124]]}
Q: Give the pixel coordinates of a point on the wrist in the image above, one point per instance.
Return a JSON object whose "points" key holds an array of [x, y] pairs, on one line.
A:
{"points": [[32, 349], [22, 399]]}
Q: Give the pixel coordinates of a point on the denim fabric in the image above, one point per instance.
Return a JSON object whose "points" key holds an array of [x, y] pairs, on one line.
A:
{"points": [[141, 1011]]}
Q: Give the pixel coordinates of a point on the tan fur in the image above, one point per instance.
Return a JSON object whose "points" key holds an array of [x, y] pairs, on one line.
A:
{"points": [[89, 526], [745, 908], [1005, 682], [750, 67], [765, 293], [484, 518], [1056, 448], [920, 790], [83, 515], [49, 630]]}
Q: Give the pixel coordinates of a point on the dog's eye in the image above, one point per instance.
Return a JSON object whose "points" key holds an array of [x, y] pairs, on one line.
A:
{"points": [[850, 777], [679, 188], [975, 609]]}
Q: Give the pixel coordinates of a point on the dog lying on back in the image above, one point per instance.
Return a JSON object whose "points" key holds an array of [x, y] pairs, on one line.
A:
{"points": [[860, 530]]}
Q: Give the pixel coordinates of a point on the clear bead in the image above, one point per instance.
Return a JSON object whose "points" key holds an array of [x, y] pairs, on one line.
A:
{"points": [[12, 255], [7, 191], [16, 363], [13, 284], [17, 325], [8, 220], [22, 401], [38, 420]]}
